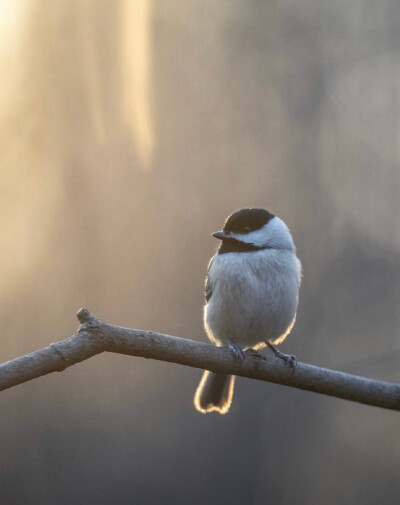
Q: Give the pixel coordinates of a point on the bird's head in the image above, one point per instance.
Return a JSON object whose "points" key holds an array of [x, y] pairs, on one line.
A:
{"points": [[254, 229]]}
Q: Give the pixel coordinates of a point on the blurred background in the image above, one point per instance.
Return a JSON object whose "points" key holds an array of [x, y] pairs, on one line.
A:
{"points": [[129, 131]]}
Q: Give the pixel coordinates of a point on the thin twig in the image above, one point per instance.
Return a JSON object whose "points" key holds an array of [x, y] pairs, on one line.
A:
{"points": [[94, 336]]}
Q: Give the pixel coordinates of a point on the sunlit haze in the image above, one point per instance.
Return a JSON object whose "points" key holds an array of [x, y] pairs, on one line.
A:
{"points": [[129, 131]]}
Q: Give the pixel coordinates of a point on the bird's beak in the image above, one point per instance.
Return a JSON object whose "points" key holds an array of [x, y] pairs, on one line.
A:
{"points": [[220, 235]]}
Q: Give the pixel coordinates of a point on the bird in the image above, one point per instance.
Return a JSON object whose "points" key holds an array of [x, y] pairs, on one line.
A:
{"points": [[251, 291]]}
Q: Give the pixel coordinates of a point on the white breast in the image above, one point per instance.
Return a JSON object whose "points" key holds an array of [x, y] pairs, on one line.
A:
{"points": [[254, 297]]}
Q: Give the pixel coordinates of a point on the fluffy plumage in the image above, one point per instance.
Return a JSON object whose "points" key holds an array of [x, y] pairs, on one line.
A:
{"points": [[252, 290]]}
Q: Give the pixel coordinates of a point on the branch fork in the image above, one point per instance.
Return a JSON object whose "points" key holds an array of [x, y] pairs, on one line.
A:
{"points": [[94, 337]]}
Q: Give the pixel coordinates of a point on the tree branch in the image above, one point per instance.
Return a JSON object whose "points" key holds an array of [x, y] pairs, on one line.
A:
{"points": [[94, 336]]}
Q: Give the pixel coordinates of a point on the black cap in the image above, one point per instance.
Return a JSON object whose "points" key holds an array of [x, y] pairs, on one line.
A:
{"points": [[247, 220]]}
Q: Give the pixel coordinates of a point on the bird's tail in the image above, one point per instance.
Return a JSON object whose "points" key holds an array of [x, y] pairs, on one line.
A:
{"points": [[214, 393]]}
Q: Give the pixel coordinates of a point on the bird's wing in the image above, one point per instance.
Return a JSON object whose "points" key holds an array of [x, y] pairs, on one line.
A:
{"points": [[208, 286]]}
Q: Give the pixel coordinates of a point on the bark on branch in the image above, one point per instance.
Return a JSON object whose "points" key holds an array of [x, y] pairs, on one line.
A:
{"points": [[94, 336]]}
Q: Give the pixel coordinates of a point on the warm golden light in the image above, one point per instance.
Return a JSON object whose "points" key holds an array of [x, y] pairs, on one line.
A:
{"points": [[136, 57], [29, 184], [91, 67], [213, 408]]}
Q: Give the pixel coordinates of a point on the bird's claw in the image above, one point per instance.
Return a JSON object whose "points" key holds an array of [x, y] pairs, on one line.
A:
{"points": [[237, 351], [290, 359]]}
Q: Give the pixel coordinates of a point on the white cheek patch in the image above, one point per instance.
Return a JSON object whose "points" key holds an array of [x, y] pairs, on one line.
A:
{"points": [[257, 237], [274, 234]]}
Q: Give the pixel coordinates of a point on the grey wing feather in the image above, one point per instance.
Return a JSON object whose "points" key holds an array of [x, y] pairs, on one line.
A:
{"points": [[208, 286]]}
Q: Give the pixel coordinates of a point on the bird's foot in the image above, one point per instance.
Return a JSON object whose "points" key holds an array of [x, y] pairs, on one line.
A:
{"points": [[237, 351], [290, 359]]}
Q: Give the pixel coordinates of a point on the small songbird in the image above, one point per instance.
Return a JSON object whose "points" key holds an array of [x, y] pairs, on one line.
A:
{"points": [[252, 289]]}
